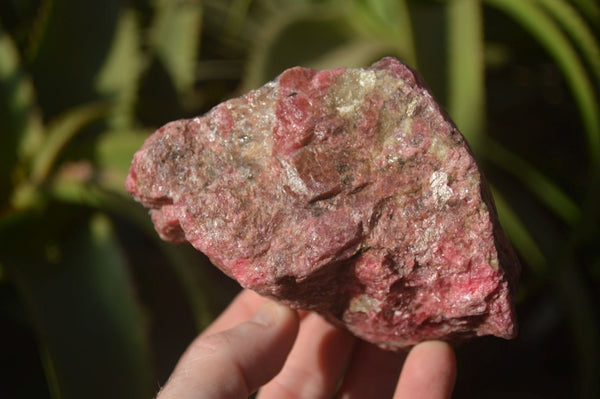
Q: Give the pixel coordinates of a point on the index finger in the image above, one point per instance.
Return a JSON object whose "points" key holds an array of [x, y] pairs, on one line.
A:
{"points": [[224, 365], [241, 309]]}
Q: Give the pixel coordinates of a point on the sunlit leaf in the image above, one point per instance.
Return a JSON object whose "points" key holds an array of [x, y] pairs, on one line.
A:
{"points": [[114, 153], [295, 35], [388, 21], [119, 76], [466, 92], [175, 37], [89, 325]]}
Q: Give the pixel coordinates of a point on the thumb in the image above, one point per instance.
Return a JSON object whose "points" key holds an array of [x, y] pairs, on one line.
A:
{"points": [[236, 362]]}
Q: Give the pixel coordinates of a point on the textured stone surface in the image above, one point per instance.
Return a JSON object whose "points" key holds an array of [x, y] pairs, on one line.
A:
{"points": [[344, 191]]}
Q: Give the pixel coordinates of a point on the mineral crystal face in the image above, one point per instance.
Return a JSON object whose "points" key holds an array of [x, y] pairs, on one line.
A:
{"points": [[344, 191]]}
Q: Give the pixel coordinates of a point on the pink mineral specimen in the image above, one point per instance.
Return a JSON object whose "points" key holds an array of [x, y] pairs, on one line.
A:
{"points": [[344, 191]]}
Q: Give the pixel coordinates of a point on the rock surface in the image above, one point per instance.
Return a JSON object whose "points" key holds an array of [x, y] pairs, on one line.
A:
{"points": [[344, 191]]}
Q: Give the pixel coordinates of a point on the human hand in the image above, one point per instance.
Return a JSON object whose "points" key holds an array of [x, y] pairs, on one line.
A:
{"points": [[289, 354]]}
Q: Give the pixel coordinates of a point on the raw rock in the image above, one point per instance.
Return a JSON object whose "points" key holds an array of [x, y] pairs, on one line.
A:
{"points": [[344, 191]]}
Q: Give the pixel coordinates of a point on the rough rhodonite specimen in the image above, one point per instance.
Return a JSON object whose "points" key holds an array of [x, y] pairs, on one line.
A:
{"points": [[344, 191]]}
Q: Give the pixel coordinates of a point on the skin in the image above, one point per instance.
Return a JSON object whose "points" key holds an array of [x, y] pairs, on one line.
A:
{"points": [[259, 344]]}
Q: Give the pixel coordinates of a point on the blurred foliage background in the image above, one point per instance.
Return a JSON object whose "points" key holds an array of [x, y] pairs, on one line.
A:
{"points": [[92, 304]]}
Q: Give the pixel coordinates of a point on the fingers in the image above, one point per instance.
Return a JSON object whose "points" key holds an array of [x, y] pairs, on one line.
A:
{"points": [[241, 309], [231, 360], [314, 366], [235, 362], [429, 372], [372, 373]]}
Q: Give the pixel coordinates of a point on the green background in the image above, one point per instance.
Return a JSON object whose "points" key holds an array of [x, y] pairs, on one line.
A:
{"points": [[92, 304]]}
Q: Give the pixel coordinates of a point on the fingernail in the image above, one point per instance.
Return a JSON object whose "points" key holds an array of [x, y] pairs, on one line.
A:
{"points": [[267, 314]]}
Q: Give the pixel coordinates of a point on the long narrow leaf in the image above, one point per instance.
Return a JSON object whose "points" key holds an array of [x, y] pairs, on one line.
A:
{"points": [[543, 188], [405, 33], [175, 34], [119, 77], [576, 26], [552, 38], [60, 133], [21, 122], [387, 21], [114, 153], [196, 288], [591, 8], [293, 35], [466, 98]]}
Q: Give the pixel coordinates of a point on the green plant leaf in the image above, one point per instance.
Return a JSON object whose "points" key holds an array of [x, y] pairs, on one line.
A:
{"points": [[591, 9], [114, 152], [552, 38], [196, 287], [293, 35], [77, 291], [543, 188], [59, 133], [175, 37], [118, 79], [21, 122], [576, 26], [388, 21], [466, 69]]}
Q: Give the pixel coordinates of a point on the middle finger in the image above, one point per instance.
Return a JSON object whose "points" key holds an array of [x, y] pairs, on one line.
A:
{"points": [[315, 363]]}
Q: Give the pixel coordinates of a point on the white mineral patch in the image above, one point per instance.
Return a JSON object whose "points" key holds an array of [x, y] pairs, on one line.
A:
{"points": [[364, 304], [439, 188], [348, 100], [367, 79], [438, 148], [428, 234], [345, 109], [296, 183], [412, 106]]}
